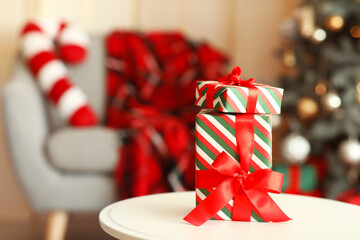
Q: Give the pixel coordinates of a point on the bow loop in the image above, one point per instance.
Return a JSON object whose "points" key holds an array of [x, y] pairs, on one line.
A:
{"points": [[266, 180], [234, 79], [225, 165]]}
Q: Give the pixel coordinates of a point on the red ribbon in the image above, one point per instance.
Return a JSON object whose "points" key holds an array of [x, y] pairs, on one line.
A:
{"points": [[294, 176], [233, 180], [234, 79]]}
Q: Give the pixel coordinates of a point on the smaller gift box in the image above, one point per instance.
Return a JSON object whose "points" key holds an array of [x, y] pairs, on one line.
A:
{"points": [[301, 180], [231, 94]]}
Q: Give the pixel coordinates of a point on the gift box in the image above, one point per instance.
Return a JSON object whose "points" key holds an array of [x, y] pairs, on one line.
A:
{"points": [[301, 180], [243, 97], [219, 134], [234, 153], [215, 133]]}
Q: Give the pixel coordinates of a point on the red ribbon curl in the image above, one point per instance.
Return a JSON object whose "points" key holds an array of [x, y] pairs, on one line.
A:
{"points": [[233, 180]]}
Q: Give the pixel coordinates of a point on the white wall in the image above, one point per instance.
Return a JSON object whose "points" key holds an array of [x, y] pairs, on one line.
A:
{"points": [[246, 30]]}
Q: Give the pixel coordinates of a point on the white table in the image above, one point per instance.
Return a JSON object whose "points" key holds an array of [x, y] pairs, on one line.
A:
{"points": [[160, 216]]}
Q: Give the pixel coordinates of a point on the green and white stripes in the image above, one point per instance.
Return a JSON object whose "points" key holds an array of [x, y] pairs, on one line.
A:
{"points": [[233, 99], [215, 133]]}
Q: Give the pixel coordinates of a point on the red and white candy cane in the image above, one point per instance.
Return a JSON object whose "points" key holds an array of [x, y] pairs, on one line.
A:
{"points": [[37, 42]]}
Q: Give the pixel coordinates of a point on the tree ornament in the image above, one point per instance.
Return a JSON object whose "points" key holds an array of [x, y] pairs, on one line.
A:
{"points": [[289, 58], [334, 23], [276, 120], [358, 93], [331, 101], [349, 151], [306, 17], [358, 98], [320, 89], [319, 35], [307, 108], [355, 31], [295, 148], [358, 87]]}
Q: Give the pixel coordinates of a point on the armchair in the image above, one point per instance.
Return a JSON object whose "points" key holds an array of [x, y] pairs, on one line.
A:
{"points": [[60, 169]]}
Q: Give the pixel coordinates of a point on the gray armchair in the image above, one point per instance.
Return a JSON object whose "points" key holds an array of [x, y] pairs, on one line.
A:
{"points": [[61, 169]]}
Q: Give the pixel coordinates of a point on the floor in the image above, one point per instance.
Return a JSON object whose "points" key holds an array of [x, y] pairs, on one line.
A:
{"points": [[80, 227]]}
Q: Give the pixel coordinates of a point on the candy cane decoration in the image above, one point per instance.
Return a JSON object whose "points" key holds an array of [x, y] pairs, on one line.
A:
{"points": [[37, 43]]}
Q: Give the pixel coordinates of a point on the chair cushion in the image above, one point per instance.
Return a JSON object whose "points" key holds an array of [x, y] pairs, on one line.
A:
{"points": [[83, 149]]}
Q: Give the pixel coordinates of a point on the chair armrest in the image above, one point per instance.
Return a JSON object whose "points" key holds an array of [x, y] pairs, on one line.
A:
{"points": [[26, 128]]}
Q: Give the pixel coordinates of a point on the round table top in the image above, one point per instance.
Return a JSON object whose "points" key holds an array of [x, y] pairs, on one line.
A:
{"points": [[160, 216]]}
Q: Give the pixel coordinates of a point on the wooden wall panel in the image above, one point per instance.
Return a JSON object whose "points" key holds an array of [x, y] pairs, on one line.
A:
{"points": [[69, 10], [257, 37], [106, 15], [159, 14], [12, 15], [206, 20]]}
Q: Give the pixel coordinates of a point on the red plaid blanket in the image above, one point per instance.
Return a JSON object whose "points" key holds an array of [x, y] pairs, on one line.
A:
{"points": [[150, 93]]}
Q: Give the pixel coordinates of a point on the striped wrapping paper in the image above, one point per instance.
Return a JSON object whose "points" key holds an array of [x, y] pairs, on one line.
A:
{"points": [[215, 133], [234, 99], [301, 179]]}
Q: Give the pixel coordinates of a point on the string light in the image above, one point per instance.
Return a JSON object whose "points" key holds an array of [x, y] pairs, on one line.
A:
{"points": [[307, 108], [307, 30], [334, 23], [307, 21], [331, 101], [319, 35], [289, 58]]}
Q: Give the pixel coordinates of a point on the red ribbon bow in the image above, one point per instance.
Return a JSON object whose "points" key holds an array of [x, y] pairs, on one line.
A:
{"points": [[233, 180], [234, 79]]}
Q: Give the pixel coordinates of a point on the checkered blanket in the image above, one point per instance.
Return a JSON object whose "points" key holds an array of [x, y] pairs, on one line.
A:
{"points": [[150, 93]]}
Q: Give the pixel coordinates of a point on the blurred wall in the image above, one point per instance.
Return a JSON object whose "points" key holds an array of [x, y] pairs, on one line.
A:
{"points": [[246, 30]]}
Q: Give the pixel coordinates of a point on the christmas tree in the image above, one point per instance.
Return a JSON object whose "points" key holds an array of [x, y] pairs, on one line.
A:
{"points": [[320, 123]]}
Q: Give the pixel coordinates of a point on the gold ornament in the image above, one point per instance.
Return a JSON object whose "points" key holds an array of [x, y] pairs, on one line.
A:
{"points": [[320, 89], [355, 31], [334, 23], [289, 58], [307, 108]]}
